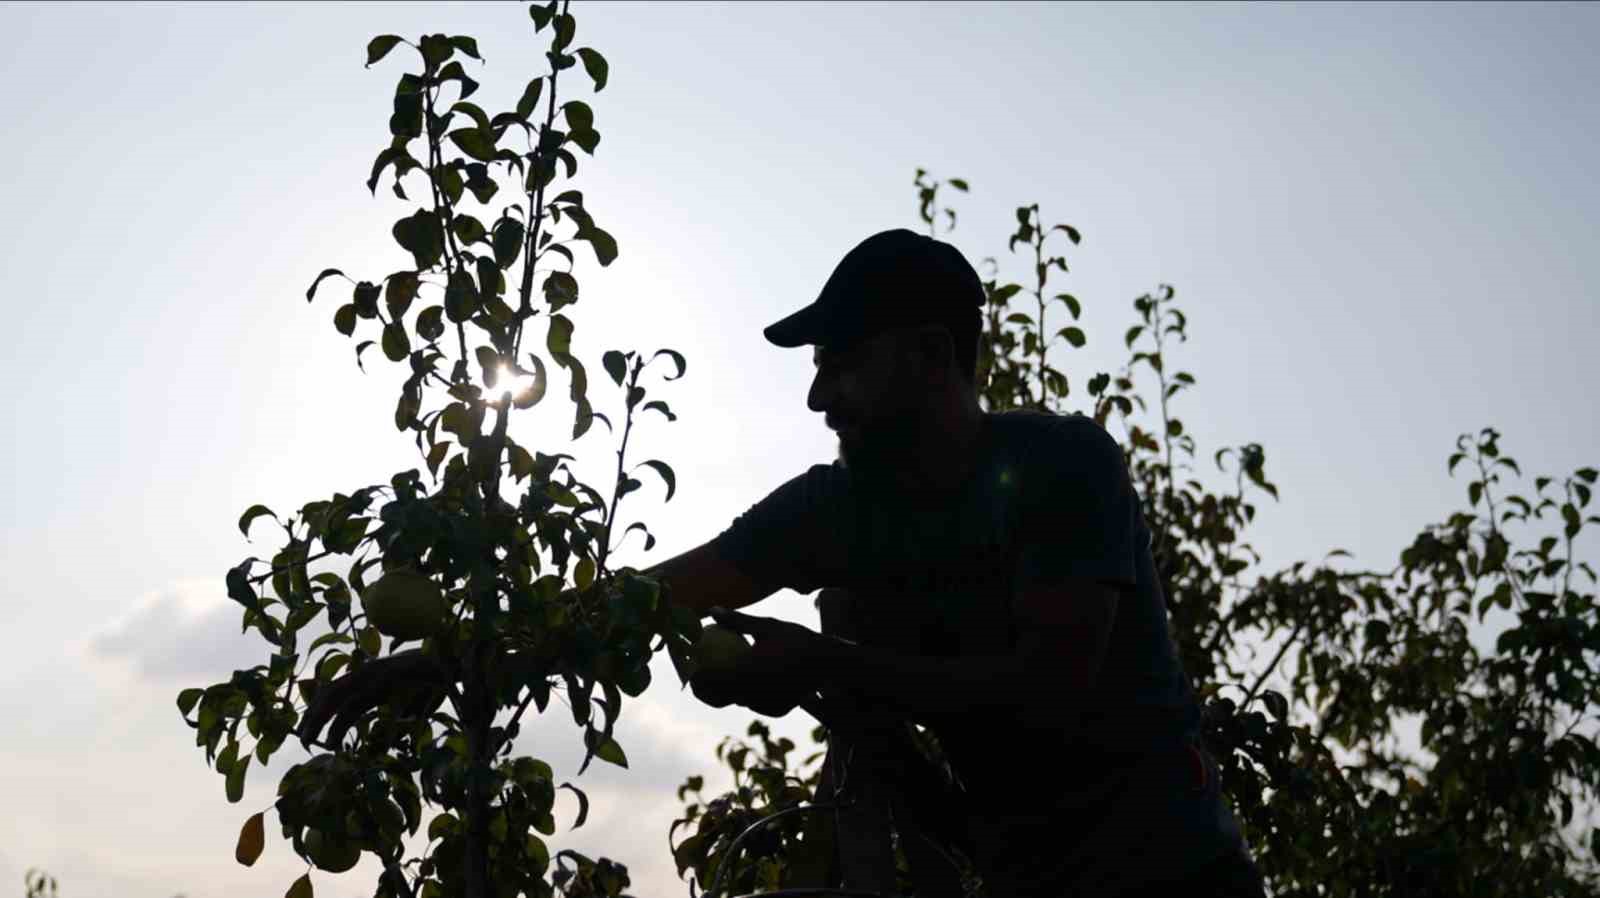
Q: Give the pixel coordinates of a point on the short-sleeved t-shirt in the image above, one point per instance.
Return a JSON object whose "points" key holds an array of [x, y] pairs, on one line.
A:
{"points": [[1049, 498]]}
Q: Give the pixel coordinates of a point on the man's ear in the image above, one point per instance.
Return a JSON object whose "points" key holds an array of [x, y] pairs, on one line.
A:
{"points": [[936, 352]]}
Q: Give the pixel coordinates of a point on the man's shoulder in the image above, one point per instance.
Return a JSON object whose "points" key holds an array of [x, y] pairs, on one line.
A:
{"points": [[1054, 439]]}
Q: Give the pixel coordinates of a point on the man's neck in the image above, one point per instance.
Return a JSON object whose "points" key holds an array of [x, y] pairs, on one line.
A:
{"points": [[948, 452]]}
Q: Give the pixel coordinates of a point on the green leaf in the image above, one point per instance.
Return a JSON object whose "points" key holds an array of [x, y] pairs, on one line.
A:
{"points": [[1001, 294], [658, 405], [239, 588], [609, 750], [958, 184], [491, 280], [474, 143], [584, 415], [616, 365], [1132, 335], [467, 228], [662, 468], [442, 825], [187, 699], [396, 345], [396, 156], [604, 245], [508, 237], [379, 47], [583, 800], [489, 361], [535, 392], [461, 300], [677, 358], [586, 140], [1587, 475], [541, 15], [436, 456], [406, 122], [1072, 304], [344, 320], [596, 66], [1074, 335], [579, 116], [482, 186], [566, 28], [436, 49], [530, 97], [422, 235], [235, 780], [560, 290], [250, 514], [538, 854], [1276, 704], [327, 272], [1072, 232], [430, 323], [559, 338], [365, 298], [399, 291], [476, 113], [301, 888], [466, 45], [252, 839], [455, 72]]}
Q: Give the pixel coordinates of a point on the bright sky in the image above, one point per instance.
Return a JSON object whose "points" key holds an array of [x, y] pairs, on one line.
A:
{"points": [[1374, 215]]}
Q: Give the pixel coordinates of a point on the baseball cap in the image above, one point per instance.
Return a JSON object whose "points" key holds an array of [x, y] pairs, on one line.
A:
{"points": [[891, 279]]}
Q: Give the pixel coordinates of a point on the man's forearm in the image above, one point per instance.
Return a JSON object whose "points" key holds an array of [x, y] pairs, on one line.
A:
{"points": [[919, 685]]}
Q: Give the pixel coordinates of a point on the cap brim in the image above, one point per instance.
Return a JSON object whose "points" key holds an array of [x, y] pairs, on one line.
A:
{"points": [[803, 328]]}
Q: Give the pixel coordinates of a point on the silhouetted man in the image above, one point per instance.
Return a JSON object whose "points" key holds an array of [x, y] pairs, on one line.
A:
{"points": [[985, 575], [994, 570]]}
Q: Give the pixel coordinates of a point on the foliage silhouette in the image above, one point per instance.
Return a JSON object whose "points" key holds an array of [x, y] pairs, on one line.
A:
{"points": [[537, 605]]}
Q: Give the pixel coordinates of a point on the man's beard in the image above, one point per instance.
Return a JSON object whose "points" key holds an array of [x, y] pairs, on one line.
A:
{"points": [[876, 451]]}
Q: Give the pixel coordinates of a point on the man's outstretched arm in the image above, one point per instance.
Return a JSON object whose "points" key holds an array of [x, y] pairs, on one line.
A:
{"points": [[1064, 629], [700, 579]]}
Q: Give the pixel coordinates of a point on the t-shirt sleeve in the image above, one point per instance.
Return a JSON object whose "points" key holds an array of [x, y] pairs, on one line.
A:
{"points": [[1083, 514], [793, 538]]}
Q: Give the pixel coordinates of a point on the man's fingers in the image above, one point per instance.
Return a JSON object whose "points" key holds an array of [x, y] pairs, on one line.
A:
{"points": [[347, 698], [748, 624]]}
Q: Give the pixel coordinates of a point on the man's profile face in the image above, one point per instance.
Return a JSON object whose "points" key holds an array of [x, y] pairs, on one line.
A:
{"points": [[868, 401]]}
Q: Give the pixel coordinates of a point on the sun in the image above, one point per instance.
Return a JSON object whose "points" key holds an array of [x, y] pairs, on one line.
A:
{"points": [[521, 386]]}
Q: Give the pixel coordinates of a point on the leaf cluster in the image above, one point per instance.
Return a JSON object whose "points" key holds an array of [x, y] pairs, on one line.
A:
{"points": [[521, 549]]}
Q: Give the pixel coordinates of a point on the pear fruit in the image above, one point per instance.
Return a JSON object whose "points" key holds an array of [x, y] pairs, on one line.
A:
{"points": [[330, 853], [720, 648], [405, 605]]}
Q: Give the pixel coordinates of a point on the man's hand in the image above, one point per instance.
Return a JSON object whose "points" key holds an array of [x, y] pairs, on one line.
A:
{"points": [[414, 678], [781, 671]]}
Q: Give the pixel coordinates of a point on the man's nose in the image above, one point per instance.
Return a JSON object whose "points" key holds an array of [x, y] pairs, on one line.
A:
{"points": [[820, 397]]}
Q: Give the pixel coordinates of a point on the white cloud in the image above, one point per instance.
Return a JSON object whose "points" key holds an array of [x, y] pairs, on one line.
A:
{"points": [[181, 633]]}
